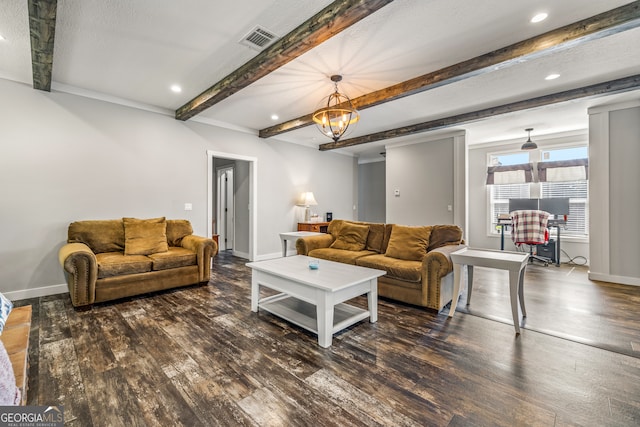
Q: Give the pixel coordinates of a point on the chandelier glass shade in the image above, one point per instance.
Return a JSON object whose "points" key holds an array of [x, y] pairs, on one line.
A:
{"points": [[336, 114]]}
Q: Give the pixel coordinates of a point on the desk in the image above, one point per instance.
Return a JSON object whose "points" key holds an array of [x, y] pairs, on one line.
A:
{"points": [[557, 223], [514, 262], [294, 235]]}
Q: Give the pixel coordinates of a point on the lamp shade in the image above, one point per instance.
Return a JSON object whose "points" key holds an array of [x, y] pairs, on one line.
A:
{"points": [[307, 199]]}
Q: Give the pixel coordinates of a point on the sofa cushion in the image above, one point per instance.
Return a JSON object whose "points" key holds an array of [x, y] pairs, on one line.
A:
{"points": [[117, 263], [339, 255], [352, 237], [99, 235], [401, 269], [178, 229], [443, 235], [375, 237], [145, 236], [173, 258], [408, 243]]}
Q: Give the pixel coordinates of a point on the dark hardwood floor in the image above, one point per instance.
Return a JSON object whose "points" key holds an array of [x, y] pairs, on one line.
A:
{"points": [[198, 356]]}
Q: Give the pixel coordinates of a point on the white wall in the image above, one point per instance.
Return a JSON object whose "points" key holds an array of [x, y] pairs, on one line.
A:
{"points": [[614, 175], [478, 209], [65, 158]]}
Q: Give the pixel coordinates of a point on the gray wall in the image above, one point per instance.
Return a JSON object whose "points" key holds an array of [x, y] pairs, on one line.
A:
{"points": [[371, 194], [65, 158], [613, 190], [424, 175], [242, 185]]}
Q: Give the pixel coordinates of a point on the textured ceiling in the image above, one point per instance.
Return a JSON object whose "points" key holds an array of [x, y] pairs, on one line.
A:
{"points": [[135, 50]]}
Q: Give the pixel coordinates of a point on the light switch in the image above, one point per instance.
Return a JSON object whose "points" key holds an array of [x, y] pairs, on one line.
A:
{"points": [[396, 192], [449, 208], [188, 207]]}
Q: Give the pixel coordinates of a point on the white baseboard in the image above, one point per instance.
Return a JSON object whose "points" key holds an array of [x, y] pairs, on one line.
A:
{"points": [[240, 254], [623, 280], [269, 256], [37, 292]]}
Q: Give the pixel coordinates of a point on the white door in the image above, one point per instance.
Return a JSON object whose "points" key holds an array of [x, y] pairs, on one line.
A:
{"points": [[225, 211]]}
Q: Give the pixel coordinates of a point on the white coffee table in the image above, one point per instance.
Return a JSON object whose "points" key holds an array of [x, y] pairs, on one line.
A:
{"points": [[514, 262], [291, 235], [314, 299]]}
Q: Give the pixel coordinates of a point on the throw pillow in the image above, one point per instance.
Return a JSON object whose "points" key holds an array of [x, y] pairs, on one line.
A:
{"points": [[408, 243], [145, 236], [443, 235], [352, 237], [5, 309]]}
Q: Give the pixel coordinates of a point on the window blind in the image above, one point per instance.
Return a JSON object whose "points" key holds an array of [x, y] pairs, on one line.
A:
{"points": [[511, 174]]}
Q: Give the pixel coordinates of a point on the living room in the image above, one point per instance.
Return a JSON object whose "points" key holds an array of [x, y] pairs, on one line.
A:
{"points": [[76, 153]]}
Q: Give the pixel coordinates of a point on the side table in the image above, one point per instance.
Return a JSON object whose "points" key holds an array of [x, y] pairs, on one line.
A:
{"points": [[514, 262], [294, 235]]}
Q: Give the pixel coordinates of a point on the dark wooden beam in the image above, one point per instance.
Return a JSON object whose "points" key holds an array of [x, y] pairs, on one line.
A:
{"points": [[614, 86], [325, 24], [607, 23], [42, 28]]}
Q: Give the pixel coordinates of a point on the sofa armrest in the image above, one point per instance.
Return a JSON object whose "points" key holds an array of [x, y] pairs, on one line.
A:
{"points": [[439, 259], [205, 249], [304, 245], [81, 272]]}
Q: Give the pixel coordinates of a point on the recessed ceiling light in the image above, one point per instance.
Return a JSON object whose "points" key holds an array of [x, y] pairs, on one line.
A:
{"points": [[274, 117], [552, 76], [539, 17], [176, 88]]}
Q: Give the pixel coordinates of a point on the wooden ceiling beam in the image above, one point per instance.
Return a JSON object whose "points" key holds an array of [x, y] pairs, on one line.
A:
{"points": [[42, 28], [325, 24], [614, 86], [607, 23]]}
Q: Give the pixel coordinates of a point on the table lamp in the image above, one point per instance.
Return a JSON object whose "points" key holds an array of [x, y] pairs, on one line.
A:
{"points": [[307, 200]]}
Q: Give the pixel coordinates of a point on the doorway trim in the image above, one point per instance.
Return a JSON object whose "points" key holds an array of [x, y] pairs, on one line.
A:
{"points": [[253, 195]]}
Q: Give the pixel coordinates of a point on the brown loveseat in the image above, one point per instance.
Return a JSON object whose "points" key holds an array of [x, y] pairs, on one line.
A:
{"points": [[105, 260], [417, 259]]}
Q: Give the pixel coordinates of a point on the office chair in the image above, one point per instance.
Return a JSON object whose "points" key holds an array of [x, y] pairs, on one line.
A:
{"points": [[530, 228]]}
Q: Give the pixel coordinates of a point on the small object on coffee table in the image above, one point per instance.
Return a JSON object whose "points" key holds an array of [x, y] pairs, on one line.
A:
{"points": [[314, 264]]}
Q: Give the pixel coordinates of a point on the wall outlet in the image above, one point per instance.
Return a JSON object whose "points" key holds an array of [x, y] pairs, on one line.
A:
{"points": [[188, 207], [396, 192]]}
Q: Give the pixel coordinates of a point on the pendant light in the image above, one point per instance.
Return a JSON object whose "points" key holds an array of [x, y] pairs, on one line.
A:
{"points": [[529, 145], [336, 114]]}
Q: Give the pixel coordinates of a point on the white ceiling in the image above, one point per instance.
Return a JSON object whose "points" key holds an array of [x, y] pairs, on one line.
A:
{"points": [[134, 51]]}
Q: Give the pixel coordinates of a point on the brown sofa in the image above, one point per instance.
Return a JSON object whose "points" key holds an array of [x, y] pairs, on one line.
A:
{"points": [[417, 259], [105, 260]]}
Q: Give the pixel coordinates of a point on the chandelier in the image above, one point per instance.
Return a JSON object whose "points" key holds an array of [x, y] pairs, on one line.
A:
{"points": [[336, 114]]}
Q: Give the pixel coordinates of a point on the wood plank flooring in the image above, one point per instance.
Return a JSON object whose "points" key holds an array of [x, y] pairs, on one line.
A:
{"points": [[198, 356]]}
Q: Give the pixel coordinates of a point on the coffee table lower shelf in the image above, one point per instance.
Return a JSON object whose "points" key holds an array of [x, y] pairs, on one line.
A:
{"points": [[304, 314]]}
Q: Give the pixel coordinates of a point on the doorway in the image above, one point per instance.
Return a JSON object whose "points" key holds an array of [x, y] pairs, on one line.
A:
{"points": [[244, 226], [225, 212]]}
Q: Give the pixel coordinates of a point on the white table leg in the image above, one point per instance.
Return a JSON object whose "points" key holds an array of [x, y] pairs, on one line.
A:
{"points": [[469, 283], [457, 279], [521, 291], [514, 276], [324, 313], [284, 247], [372, 301], [255, 292]]}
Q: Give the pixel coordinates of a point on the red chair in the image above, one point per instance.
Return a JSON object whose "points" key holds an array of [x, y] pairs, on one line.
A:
{"points": [[530, 228]]}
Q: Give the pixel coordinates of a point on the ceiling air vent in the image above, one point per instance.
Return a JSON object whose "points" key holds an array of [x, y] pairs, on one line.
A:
{"points": [[258, 38]]}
